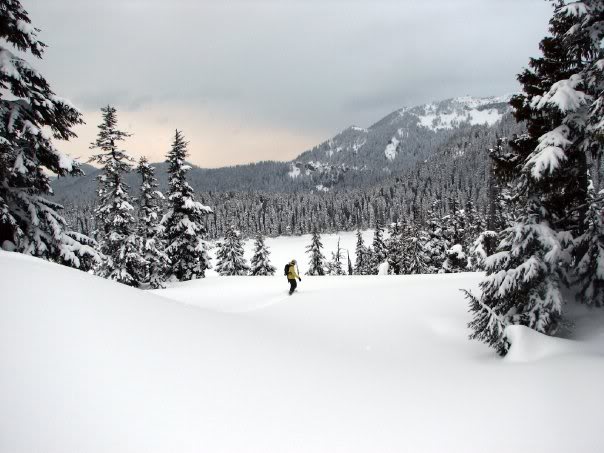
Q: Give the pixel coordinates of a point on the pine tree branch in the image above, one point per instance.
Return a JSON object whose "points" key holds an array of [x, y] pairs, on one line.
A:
{"points": [[578, 208]]}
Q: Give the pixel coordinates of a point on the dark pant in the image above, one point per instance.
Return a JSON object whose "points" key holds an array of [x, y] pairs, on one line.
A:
{"points": [[292, 285]]}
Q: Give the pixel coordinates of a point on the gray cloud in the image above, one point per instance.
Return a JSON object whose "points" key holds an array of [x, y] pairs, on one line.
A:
{"points": [[305, 66]]}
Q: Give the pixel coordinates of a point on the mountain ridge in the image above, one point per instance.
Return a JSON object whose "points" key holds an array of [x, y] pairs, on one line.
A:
{"points": [[354, 157]]}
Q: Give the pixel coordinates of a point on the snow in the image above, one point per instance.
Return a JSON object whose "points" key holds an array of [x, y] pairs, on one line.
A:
{"points": [[438, 121], [234, 364], [390, 150], [358, 144], [550, 152], [457, 250], [564, 95], [577, 9], [528, 345], [463, 110], [7, 64], [286, 248], [294, 172], [24, 27], [65, 162]]}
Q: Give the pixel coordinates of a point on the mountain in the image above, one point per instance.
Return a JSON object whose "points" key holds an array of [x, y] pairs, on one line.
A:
{"points": [[356, 157]]}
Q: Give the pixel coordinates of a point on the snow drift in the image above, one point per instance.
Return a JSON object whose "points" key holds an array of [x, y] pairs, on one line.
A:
{"points": [[373, 364]]}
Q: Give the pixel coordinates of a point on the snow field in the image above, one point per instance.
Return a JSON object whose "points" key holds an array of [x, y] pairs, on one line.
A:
{"points": [[285, 248], [347, 364]]}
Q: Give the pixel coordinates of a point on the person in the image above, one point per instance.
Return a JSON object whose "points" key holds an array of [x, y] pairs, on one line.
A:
{"points": [[292, 275]]}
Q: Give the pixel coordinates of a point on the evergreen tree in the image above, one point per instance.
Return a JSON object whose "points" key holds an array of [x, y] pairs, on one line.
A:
{"points": [[518, 288], [548, 165], [150, 231], [31, 115], [415, 257], [500, 213], [584, 111], [361, 265], [334, 267], [394, 249], [456, 260], [482, 248], [455, 224], [114, 213], [475, 224], [590, 266], [185, 230], [316, 265], [230, 259], [350, 268], [261, 264], [379, 251], [437, 245], [494, 217]]}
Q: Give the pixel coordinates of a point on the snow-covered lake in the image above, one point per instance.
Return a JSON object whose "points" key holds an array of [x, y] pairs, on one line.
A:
{"points": [[285, 248]]}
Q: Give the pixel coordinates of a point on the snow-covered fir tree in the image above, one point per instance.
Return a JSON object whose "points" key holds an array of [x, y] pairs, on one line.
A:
{"points": [[474, 225], [31, 116], [261, 264], [334, 266], [484, 240], [415, 258], [116, 232], [362, 260], [456, 232], [581, 99], [589, 272], [185, 230], [483, 246], [316, 264], [456, 260], [454, 224], [394, 248], [150, 231], [378, 248], [229, 256], [549, 165], [350, 267], [437, 245]]}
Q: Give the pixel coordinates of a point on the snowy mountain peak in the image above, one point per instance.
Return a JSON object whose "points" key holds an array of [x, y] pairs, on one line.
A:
{"points": [[452, 113], [396, 141]]}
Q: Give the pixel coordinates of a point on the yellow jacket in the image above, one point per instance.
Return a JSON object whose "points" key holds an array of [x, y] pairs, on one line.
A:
{"points": [[291, 272]]}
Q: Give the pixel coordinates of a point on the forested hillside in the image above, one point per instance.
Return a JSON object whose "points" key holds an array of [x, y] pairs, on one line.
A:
{"points": [[365, 174]]}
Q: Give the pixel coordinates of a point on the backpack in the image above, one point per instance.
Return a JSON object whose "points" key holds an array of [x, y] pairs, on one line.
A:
{"points": [[286, 270]]}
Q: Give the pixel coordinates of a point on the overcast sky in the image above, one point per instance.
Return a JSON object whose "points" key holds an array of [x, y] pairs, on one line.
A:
{"points": [[254, 80]]}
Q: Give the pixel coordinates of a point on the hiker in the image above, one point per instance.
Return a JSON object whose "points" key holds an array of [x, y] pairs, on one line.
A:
{"points": [[292, 275]]}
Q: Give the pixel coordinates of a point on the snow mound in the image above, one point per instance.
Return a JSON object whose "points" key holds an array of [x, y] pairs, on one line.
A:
{"points": [[528, 345]]}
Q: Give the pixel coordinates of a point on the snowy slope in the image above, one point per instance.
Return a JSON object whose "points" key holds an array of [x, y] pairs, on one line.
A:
{"points": [[371, 364], [397, 142]]}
